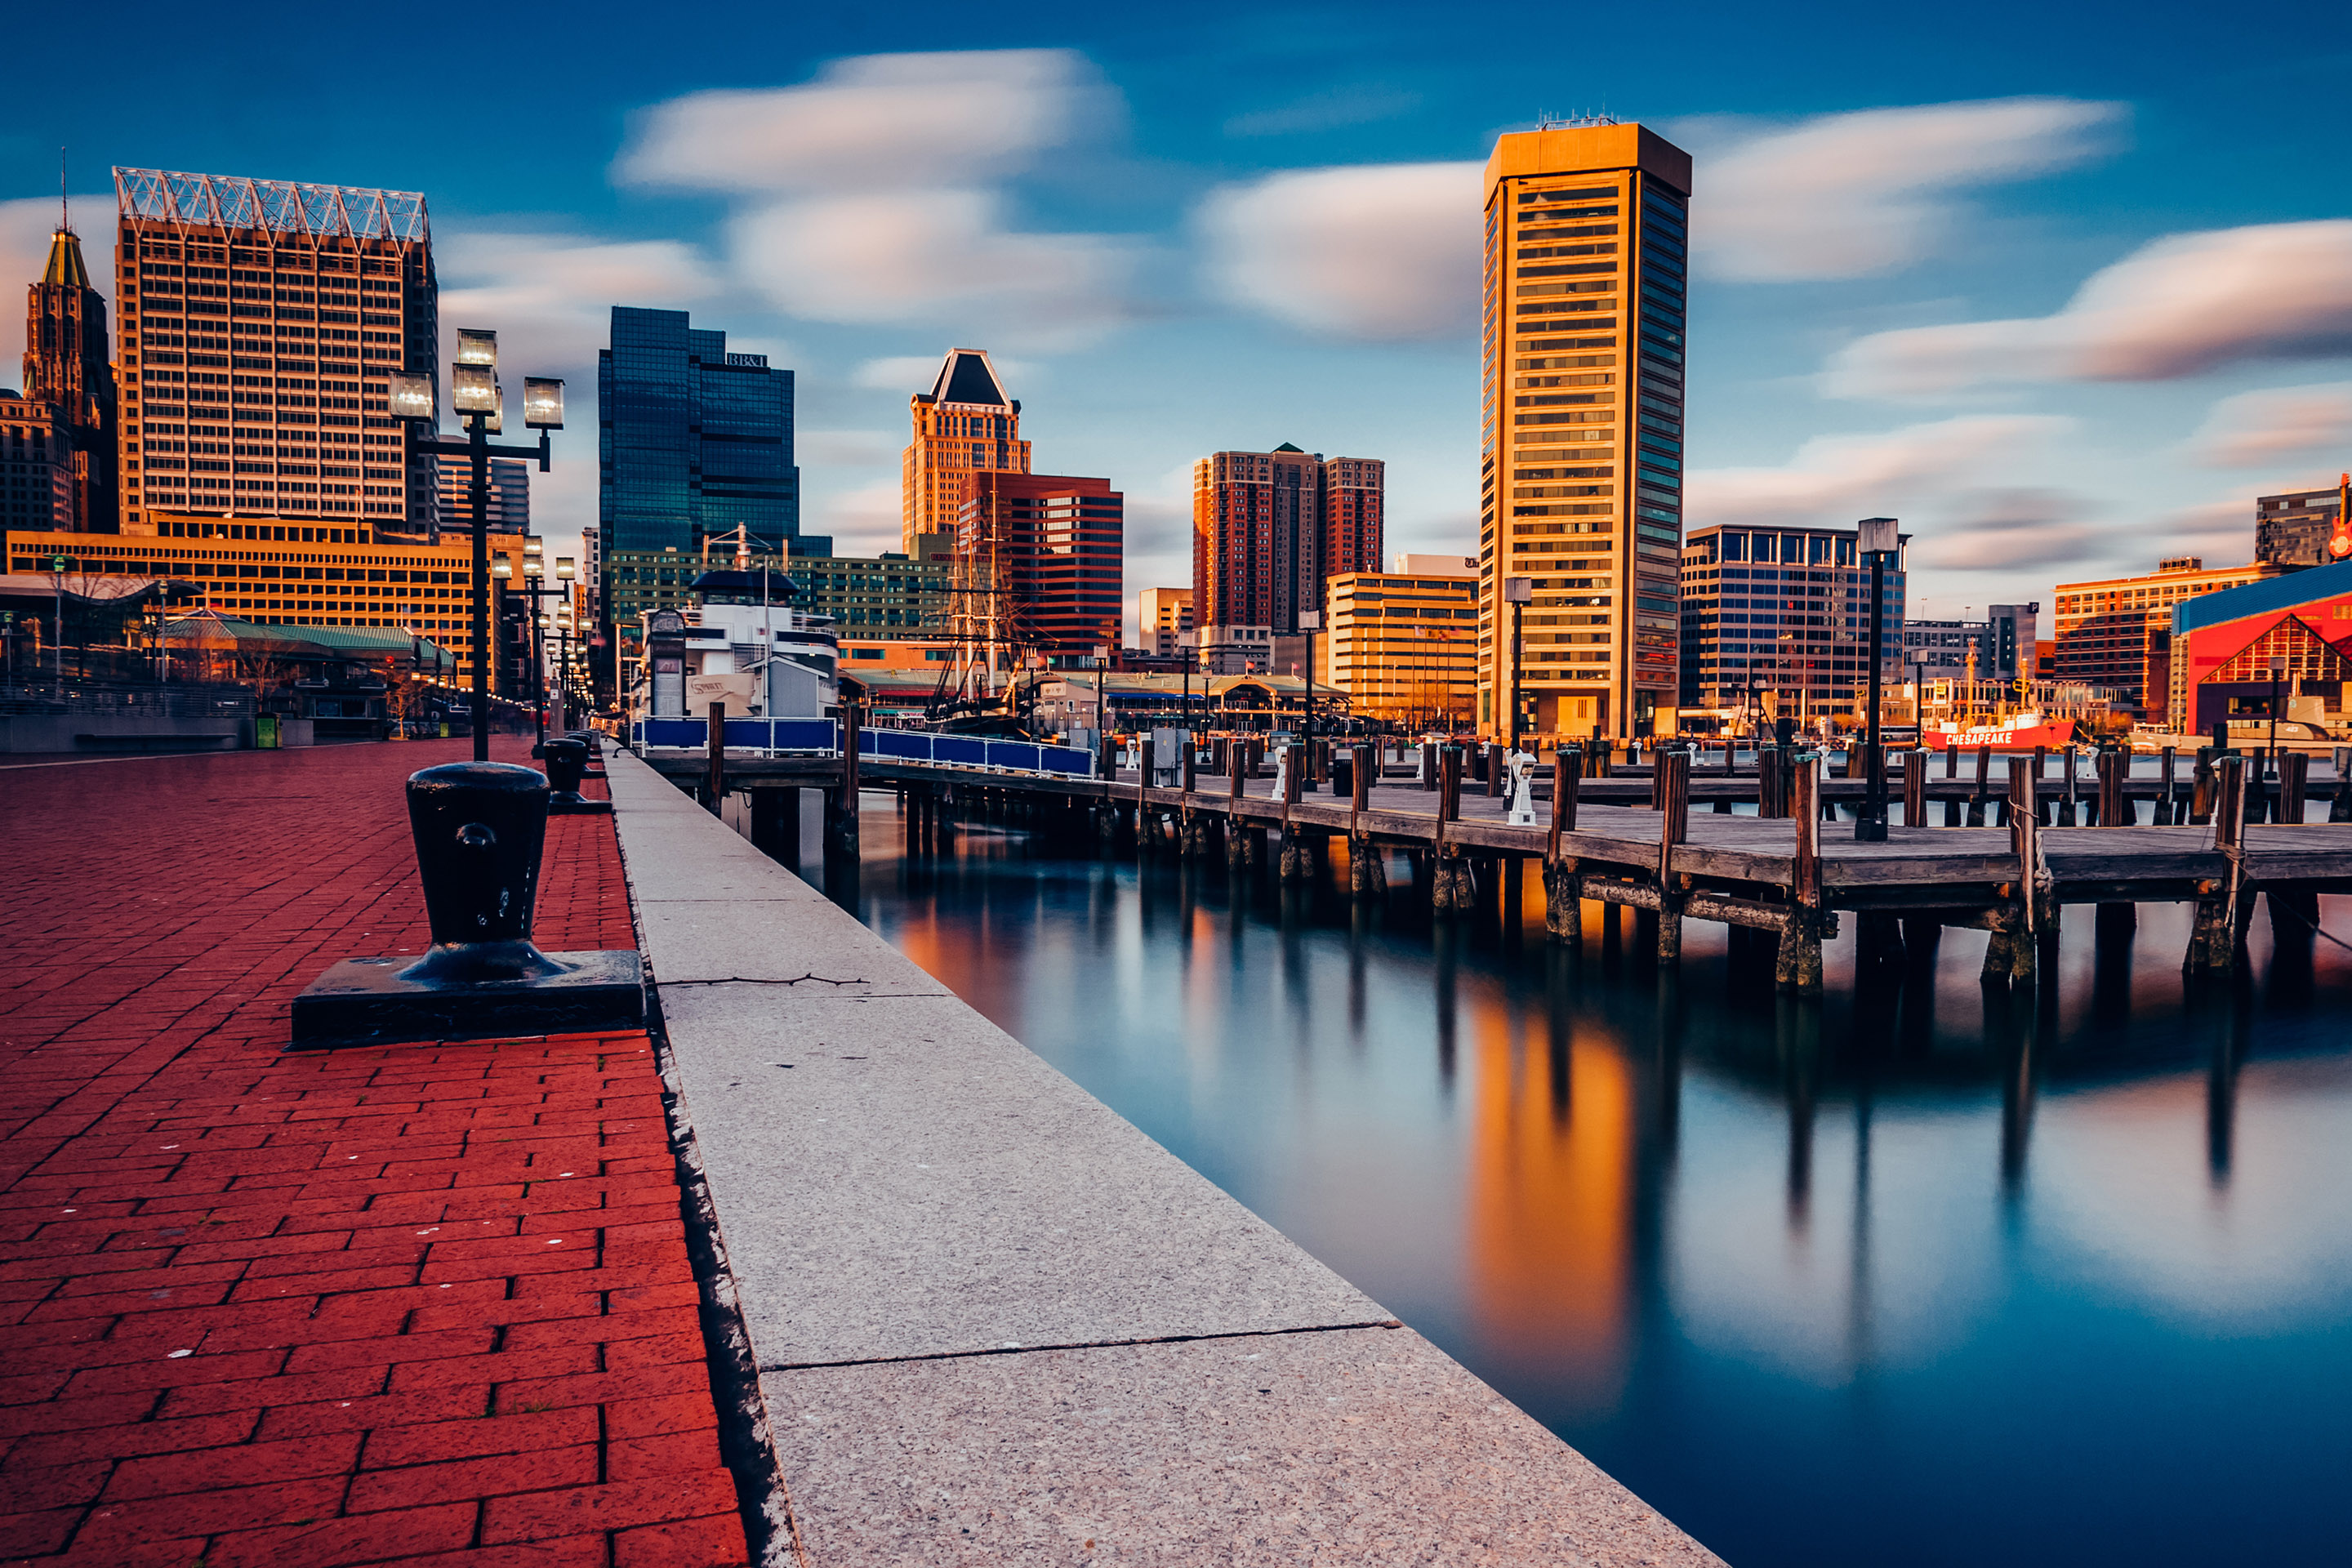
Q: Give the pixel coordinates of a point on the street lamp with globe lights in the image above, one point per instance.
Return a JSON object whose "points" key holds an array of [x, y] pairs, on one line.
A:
{"points": [[476, 395]]}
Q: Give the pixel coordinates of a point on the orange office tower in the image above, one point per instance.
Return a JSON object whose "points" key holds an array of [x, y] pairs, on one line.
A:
{"points": [[963, 426], [1582, 434]]}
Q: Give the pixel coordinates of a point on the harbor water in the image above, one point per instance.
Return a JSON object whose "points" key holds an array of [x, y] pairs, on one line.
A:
{"points": [[1929, 1274]]}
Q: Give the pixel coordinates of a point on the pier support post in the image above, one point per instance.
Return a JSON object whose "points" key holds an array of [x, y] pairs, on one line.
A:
{"points": [[1672, 791], [1799, 968], [2219, 927], [1563, 917]]}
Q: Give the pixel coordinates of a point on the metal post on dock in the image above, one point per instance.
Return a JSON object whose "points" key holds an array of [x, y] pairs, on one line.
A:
{"points": [[714, 752]]}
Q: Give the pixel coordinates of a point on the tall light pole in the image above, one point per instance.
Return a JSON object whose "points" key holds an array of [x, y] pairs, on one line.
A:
{"points": [[1517, 593], [1880, 540], [474, 392]]}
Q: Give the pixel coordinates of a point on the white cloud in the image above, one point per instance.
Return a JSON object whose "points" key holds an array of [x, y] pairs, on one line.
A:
{"points": [[911, 120], [1966, 490], [1835, 478], [875, 195], [2221, 531], [2258, 429], [2181, 305], [1852, 195], [550, 296], [862, 522], [942, 257], [1381, 251]]}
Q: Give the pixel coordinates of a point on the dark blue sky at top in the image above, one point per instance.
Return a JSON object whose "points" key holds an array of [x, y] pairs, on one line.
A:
{"points": [[2242, 113]]}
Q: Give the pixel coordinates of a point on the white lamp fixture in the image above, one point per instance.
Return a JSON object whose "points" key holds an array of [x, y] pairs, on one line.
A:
{"points": [[475, 347], [1879, 535], [474, 388], [1518, 590], [543, 402], [409, 395], [501, 567], [564, 570]]}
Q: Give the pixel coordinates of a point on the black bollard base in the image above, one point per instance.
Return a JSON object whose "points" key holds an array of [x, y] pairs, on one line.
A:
{"points": [[572, 802], [470, 991]]}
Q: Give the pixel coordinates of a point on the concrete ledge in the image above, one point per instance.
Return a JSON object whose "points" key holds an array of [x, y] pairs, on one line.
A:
{"points": [[1364, 1447], [992, 1319]]}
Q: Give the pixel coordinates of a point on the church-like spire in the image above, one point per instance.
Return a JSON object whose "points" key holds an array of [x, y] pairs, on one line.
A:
{"points": [[66, 264]]}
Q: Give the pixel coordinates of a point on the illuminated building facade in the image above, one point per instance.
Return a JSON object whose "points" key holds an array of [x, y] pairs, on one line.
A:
{"points": [[1404, 645], [255, 321], [965, 426], [1581, 443]]}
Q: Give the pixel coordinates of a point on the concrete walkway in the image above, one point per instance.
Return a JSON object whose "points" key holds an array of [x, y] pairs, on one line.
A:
{"points": [[994, 1321]]}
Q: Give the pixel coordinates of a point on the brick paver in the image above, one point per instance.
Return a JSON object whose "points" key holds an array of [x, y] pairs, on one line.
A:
{"points": [[424, 1304]]}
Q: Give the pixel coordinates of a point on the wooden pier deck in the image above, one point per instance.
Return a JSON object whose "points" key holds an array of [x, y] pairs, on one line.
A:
{"points": [[1662, 845]]}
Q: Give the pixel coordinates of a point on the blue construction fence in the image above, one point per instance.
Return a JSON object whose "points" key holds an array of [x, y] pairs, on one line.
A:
{"points": [[822, 738]]}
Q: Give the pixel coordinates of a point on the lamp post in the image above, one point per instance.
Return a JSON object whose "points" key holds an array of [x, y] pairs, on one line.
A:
{"points": [[1310, 622], [1879, 541], [474, 392], [1102, 680], [2278, 674], [1517, 593]]}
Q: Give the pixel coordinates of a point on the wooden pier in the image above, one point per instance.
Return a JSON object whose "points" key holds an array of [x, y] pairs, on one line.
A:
{"points": [[1666, 842]]}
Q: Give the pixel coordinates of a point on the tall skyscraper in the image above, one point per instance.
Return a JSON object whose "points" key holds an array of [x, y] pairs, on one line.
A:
{"points": [[1269, 528], [65, 364], [693, 442], [965, 425], [1582, 437], [256, 320]]}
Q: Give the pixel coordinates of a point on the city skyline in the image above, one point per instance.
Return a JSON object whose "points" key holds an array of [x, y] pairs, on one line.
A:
{"points": [[1883, 288]]}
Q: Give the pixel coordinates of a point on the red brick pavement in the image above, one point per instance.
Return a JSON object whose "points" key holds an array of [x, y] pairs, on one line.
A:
{"points": [[427, 1304]]}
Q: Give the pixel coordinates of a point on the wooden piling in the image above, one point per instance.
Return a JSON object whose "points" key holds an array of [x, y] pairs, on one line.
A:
{"points": [[2340, 801], [1673, 826], [2295, 772], [2218, 929], [1984, 777], [1914, 787], [1799, 967], [1563, 919]]}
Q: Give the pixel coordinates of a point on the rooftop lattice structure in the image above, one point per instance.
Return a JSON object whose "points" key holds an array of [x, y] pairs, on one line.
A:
{"points": [[281, 207]]}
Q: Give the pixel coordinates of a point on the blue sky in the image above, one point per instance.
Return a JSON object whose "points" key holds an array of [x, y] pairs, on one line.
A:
{"points": [[2064, 287]]}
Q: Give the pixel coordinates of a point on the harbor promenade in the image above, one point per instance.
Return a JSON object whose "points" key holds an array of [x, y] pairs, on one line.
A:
{"points": [[423, 1304]]}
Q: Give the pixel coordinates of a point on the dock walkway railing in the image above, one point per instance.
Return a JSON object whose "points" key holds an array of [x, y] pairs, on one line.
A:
{"points": [[822, 738]]}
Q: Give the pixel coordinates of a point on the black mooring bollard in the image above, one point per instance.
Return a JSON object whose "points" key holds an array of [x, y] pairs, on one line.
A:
{"points": [[480, 828], [567, 764]]}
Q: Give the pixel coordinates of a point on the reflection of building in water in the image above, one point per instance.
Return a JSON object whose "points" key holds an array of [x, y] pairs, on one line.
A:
{"points": [[1549, 1259]]}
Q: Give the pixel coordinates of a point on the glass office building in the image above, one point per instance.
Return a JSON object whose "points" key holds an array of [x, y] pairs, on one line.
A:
{"points": [[693, 442], [1784, 614]]}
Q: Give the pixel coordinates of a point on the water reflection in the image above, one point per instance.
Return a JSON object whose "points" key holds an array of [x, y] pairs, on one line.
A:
{"points": [[1923, 1272]]}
